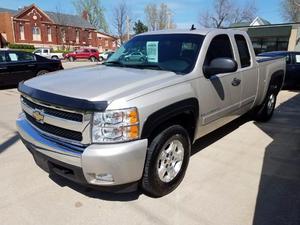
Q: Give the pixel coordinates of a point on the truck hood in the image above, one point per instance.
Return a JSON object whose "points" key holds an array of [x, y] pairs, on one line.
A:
{"points": [[100, 83]]}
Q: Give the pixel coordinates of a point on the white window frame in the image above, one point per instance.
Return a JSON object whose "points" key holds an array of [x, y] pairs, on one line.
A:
{"points": [[22, 32], [49, 34], [36, 34], [77, 36]]}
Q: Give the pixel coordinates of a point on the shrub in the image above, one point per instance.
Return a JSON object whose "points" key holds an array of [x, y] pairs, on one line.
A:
{"points": [[21, 46]]}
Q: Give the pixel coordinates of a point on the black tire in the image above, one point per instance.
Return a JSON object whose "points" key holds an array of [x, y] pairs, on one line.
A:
{"points": [[151, 183], [93, 59], [264, 112], [42, 72], [71, 59], [55, 57], [101, 59]]}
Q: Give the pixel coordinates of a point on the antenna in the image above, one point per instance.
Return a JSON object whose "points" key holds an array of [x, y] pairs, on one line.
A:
{"points": [[193, 27]]}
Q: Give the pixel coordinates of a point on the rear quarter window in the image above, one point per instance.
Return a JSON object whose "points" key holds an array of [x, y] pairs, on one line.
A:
{"points": [[243, 50]]}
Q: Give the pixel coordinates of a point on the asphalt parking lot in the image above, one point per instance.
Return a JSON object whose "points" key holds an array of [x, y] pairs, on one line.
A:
{"points": [[244, 173]]}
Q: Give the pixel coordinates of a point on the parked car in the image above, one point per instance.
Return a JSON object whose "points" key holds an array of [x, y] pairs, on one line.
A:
{"points": [[16, 66], [131, 124], [105, 55], [48, 53], [292, 77], [134, 56], [83, 53]]}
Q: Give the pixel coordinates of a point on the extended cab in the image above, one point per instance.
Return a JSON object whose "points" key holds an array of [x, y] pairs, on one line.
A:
{"points": [[133, 120]]}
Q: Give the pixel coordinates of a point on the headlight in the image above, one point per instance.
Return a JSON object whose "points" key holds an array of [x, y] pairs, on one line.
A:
{"points": [[115, 126]]}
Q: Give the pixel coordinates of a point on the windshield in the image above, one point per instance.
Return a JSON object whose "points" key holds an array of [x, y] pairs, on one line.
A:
{"points": [[171, 52]]}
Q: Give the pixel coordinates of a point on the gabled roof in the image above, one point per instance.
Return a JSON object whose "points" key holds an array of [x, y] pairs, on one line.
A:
{"points": [[58, 18], [258, 20]]}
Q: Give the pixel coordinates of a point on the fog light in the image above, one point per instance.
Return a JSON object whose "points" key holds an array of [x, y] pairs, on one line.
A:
{"points": [[104, 177]]}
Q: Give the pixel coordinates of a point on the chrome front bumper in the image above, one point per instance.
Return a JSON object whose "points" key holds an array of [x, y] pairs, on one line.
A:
{"points": [[124, 161]]}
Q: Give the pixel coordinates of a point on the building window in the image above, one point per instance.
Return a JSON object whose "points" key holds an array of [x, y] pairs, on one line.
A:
{"points": [[77, 36], [63, 35], [36, 34], [90, 35], [22, 32], [114, 44], [106, 43], [49, 34]]}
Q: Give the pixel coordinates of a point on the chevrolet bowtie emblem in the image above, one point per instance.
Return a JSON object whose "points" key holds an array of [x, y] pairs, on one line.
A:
{"points": [[38, 116]]}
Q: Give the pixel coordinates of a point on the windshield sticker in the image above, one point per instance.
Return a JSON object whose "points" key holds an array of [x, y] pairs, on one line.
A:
{"points": [[152, 51], [13, 57]]}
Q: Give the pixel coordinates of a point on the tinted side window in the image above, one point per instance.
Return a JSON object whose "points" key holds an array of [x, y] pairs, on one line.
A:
{"points": [[220, 47], [2, 57], [297, 58], [243, 50], [20, 56]]}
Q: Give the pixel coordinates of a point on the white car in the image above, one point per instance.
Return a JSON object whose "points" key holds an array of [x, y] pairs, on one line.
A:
{"points": [[48, 53], [105, 55]]}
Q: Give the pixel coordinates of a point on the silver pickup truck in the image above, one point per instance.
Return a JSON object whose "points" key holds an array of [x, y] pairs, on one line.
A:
{"points": [[131, 122]]}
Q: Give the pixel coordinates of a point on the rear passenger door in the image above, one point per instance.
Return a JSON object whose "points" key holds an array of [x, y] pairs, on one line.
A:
{"points": [[221, 92], [248, 72]]}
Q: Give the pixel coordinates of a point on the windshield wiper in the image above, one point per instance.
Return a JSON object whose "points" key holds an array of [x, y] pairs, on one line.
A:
{"points": [[145, 66]]}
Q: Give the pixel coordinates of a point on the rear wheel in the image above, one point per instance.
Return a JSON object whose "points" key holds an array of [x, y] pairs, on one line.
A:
{"points": [[93, 59], [101, 58], [167, 160], [42, 72], [265, 111], [54, 57]]}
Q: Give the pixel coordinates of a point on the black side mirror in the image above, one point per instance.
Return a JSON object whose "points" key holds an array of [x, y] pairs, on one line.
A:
{"points": [[220, 65]]}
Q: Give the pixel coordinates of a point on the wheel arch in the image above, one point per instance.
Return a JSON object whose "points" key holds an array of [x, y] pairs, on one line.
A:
{"points": [[277, 80], [184, 113]]}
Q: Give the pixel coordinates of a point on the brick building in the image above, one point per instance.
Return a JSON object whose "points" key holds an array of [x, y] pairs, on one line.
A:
{"points": [[31, 25]]}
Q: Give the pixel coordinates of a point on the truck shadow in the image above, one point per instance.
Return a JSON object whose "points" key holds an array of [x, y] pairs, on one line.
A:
{"points": [[9, 142], [278, 198]]}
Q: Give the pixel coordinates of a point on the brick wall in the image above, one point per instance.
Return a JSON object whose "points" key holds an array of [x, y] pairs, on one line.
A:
{"points": [[6, 27]]}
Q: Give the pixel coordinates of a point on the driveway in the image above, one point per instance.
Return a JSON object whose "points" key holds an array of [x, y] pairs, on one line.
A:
{"points": [[244, 173]]}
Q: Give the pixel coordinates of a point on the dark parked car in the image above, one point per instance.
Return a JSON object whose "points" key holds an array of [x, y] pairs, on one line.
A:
{"points": [[16, 66], [292, 77], [83, 53]]}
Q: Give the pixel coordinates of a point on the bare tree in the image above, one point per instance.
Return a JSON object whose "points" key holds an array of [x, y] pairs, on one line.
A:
{"points": [[151, 16], [159, 18], [290, 10], [121, 20], [226, 12], [95, 12]]}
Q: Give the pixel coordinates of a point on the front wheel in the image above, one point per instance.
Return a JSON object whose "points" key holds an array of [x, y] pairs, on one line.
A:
{"points": [[71, 59], [166, 162]]}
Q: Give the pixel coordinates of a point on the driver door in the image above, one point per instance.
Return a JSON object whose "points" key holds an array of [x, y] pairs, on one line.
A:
{"points": [[219, 94]]}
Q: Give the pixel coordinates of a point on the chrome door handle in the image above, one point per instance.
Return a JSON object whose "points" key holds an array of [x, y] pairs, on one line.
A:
{"points": [[235, 82]]}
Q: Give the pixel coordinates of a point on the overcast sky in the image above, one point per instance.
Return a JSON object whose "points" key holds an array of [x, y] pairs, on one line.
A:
{"points": [[186, 12]]}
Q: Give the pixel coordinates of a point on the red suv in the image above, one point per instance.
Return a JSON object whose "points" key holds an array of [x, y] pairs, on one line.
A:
{"points": [[83, 53]]}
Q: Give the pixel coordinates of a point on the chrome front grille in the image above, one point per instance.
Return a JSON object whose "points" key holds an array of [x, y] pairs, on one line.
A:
{"points": [[63, 125]]}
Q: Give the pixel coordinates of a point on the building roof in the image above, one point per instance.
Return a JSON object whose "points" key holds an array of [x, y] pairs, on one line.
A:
{"points": [[58, 18], [258, 21]]}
